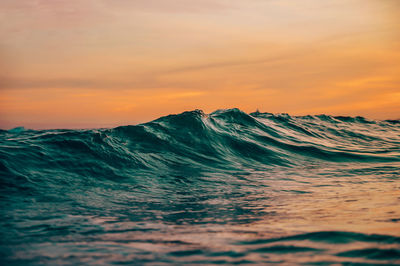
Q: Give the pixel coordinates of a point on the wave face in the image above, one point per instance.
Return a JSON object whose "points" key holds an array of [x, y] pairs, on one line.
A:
{"points": [[194, 188]]}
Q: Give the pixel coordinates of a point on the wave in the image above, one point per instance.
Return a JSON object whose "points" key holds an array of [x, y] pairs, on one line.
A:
{"points": [[225, 139], [194, 142]]}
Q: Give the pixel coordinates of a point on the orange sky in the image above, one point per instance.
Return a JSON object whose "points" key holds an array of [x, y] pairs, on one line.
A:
{"points": [[100, 63]]}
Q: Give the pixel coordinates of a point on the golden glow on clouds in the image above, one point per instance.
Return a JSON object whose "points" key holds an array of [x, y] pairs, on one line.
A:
{"points": [[105, 63]]}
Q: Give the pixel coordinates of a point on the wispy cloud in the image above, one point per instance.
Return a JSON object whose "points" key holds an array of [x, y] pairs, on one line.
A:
{"points": [[173, 6]]}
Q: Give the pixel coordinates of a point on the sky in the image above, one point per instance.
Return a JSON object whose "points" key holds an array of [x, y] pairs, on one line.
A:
{"points": [[104, 63]]}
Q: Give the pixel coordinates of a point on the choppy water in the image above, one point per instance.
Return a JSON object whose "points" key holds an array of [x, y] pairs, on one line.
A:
{"points": [[223, 188]]}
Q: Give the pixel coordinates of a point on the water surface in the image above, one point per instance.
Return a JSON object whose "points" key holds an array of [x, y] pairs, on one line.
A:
{"points": [[223, 188]]}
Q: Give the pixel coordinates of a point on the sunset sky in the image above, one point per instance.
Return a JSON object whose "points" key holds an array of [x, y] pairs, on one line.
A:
{"points": [[103, 63]]}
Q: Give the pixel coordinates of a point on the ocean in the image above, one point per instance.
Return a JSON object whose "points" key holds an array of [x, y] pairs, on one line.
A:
{"points": [[203, 189]]}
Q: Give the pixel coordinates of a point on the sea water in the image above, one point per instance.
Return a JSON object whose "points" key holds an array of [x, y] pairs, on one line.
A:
{"points": [[223, 188]]}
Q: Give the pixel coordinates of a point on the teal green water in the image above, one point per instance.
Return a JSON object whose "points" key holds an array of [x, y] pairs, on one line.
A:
{"points": [[223, 188]]}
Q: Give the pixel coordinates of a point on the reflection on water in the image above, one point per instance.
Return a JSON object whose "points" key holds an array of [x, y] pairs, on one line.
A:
{"points": [[261, 189]]}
